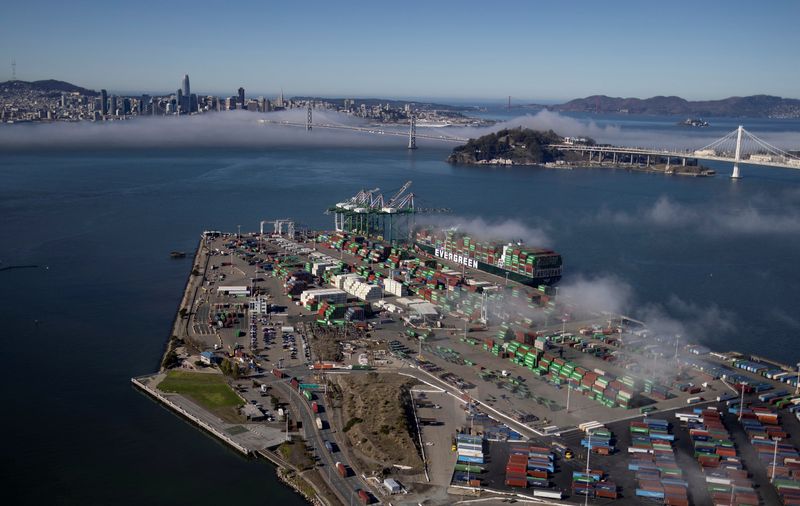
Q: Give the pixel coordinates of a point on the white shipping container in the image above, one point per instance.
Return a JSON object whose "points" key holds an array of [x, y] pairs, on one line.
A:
{"points": [[549, 494], [470, 453]]}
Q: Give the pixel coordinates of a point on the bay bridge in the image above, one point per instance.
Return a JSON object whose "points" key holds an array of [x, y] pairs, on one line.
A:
{"points": [[738, 147], [411, 134]]}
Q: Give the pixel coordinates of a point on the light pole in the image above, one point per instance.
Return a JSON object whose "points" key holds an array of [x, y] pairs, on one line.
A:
{"points": [[569, 389], [774, 458], [733, 488], [741, 403], [588, 455], [797, 385]]}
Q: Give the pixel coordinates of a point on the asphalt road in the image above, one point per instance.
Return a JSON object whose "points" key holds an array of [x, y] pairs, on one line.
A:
{"points": [[344, 487]]}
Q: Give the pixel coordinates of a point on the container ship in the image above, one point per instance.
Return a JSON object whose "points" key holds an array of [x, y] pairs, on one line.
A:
{"points": [[520, 263]]}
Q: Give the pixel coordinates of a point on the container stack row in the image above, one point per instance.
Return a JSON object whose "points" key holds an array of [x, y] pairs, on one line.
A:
{"points": [[469, 464], [780, 458], [529, 466], [592, 483], [725, 476], [653, 461], [600, 442]]}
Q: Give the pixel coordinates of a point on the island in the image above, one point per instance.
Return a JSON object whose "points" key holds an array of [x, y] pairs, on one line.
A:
{"points": [[524, 146], [518, 146]]}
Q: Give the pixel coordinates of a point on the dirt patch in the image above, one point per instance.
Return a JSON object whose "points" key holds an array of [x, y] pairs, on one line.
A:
{"points": [[297, 454], [378, 423]]}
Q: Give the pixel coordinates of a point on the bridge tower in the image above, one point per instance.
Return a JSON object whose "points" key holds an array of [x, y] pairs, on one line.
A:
{"points": [[412, 133], [308, 117], [738, 155]]}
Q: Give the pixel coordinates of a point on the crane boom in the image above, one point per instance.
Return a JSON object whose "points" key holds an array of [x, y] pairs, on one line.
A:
{"points": [[397, 195]]}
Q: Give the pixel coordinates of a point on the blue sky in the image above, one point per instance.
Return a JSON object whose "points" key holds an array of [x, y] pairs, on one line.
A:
{"points": [[450, 49]]}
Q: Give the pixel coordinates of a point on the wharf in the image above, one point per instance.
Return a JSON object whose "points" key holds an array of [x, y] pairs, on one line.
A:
{"points": [[535, 402]]}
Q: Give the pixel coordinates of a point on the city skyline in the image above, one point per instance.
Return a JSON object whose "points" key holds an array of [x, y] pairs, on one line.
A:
{"points": [[706, 50]]}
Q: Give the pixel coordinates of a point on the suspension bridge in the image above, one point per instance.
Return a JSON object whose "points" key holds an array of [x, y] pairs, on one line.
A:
{"points": [[412, 134], [738, 147]]}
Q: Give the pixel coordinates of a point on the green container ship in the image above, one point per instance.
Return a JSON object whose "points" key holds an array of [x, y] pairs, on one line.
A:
{"points": [[516, 261]]}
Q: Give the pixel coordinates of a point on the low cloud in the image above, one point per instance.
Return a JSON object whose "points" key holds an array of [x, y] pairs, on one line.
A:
{"points": [[708, 219], [488, 230], [604, 293], [216, 129], [672, 317], [687, 319], [242, 129], [785, 319], [633, 134]]}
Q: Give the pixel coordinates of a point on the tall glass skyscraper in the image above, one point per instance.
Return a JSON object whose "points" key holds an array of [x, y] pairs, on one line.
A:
{"points": [[185, 86], [104, 102]]}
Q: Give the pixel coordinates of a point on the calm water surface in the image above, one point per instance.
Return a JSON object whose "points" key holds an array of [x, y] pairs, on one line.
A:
{"points": [[719, 256]]}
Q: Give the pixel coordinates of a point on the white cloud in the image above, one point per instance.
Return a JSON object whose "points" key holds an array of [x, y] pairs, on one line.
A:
{"points": [[598, 294], [487, 230], [707, 218]]}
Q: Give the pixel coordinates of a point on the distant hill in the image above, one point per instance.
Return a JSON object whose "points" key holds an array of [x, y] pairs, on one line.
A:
{"points": [[46, 86], [755, 106], [522, 146]]}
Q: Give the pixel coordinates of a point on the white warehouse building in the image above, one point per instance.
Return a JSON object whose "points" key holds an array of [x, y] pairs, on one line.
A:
{"points": [[318, 295]]}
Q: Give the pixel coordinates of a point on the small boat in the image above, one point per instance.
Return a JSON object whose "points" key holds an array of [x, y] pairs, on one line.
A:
{"points": [[177, 254], [694, 122]]}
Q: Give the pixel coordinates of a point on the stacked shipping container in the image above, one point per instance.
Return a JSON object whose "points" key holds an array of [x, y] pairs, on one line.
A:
{"points": [[653, 460], [714, 449], [529, 465], [781, 459]]}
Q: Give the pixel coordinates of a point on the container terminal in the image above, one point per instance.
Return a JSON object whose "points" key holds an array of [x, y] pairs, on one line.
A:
{"points": [[501, 388]]}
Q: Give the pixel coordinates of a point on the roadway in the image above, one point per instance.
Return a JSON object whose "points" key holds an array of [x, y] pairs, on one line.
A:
{"points": [[345, 488], [671, 154]]}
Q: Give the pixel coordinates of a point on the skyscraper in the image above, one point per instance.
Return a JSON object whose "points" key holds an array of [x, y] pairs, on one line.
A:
{"points": [[113, 108], [241, 98], [144, 104], [185, 86], [104, 102], [179, 101]]}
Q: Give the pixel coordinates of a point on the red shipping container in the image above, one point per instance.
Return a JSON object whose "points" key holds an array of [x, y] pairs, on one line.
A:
{"points": [[517, 482]]}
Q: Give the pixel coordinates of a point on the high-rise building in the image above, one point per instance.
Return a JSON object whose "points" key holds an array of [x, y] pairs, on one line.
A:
{"points": [[144, 104], [126, 106], [113, 107], [185, 86], [104, 102], [179, 101], [241, 98]]}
